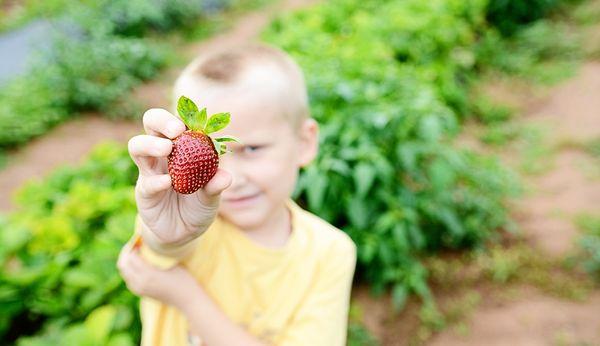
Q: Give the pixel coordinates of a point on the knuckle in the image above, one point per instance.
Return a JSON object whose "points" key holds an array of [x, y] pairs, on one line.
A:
{"points": [[165, 239]]}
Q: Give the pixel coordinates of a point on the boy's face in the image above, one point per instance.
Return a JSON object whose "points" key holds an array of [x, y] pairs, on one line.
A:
{"points": [[265, 163]]}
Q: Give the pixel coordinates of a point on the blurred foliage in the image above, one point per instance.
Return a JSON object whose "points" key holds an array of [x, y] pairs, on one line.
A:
{"points": [[387, 93], [510, 15], [59, 249], [544, 51], [389, 83], [589, 243], [100, 50], [129, 17], [75, 76], [358, 335]]}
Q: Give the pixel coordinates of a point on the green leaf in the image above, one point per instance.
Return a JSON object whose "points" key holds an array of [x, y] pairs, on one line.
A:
{"points": [[216, 144], [100, 322], [399, 295], [80, 278], [315, 190], [364, 174], [400, 238], [430, 128], [121, 339], [202, 117], [188, 111], [217, 122], [227, 139], [357, 212]]}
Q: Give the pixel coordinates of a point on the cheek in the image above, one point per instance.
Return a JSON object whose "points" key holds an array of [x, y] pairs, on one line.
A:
{"points": [[276, 176]]}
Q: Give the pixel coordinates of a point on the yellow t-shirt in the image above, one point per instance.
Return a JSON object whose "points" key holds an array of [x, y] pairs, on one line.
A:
{"points": [[295, 295]]}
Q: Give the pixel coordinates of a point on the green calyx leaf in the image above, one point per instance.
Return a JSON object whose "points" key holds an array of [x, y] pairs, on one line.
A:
{"points": [[194, 119], [197, 120], [187, 110], [202, 118], [217, 122], [227, 139], [220, 147]]}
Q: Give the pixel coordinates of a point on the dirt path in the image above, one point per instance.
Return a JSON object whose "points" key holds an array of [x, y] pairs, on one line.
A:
{"points": [[570, 113], [70, 142], [534, 320]]}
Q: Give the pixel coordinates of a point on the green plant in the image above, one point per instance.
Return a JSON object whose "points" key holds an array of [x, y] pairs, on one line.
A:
{"points": [[510, 15], [94, 68], [544, 52], [59, 253], [386, 93], [74, 77], [358, 335]]}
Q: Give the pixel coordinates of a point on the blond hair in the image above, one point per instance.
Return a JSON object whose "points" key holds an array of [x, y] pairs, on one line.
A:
{"points": [[255, 67]]}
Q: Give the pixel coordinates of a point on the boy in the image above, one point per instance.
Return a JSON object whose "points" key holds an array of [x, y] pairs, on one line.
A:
{"points": [[237, 262]]}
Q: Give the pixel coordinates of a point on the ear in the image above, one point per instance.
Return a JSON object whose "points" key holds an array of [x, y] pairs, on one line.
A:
{"points": [[308, 141]]}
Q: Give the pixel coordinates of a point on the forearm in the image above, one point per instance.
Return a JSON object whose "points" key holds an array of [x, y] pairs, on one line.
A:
{"points": [[207, 320]]}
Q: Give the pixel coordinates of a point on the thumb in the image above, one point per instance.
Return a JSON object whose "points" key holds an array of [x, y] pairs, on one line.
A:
{"points": [[219, 182]]}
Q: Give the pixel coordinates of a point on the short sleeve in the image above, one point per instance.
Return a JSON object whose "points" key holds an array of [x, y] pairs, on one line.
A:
{"points": [[322, 318]]}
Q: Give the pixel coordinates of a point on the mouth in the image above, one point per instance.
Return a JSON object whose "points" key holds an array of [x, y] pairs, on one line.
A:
{"points": [[241, 200]]}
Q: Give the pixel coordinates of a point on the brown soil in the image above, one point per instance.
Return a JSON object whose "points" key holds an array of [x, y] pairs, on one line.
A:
{"points": [[70, 142], [571, 114], [534, 319]]}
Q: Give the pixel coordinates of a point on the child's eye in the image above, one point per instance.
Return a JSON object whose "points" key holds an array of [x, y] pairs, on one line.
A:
{"points": [[248, 149]]}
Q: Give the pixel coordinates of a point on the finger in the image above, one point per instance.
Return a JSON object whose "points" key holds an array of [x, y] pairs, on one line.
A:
{"points": [[132, 272], [219, 182], [148, 151], [152, 186], [160, 122], [139, 264], [121, 260], [209, 195]]}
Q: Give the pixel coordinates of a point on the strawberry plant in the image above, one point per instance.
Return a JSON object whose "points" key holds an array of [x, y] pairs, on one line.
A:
{"points": [[58, 255]]}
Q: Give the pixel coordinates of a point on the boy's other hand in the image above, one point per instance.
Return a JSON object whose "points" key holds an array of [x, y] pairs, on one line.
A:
{"points": [[170, 286], [174, 218]]}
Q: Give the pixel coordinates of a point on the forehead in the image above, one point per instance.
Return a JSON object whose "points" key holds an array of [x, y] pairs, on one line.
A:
{"points": [[254, 113]]}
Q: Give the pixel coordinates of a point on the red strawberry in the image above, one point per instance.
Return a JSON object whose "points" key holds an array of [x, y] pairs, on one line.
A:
{"points": [[195, 156]]}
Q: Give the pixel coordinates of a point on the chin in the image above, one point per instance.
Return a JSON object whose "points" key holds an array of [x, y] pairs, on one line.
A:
{"points": [[245, 219]]}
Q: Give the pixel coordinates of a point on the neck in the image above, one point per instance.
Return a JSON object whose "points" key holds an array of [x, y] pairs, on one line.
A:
{"points": [[275, 232]]}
